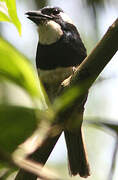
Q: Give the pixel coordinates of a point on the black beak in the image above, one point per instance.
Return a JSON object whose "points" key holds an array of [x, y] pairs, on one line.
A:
{"points": [[37, 16]]}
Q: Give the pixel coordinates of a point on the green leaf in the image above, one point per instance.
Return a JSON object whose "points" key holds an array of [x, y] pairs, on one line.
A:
{"points": [[4, 17], [16, 124], [16, 68], [8, 13]]}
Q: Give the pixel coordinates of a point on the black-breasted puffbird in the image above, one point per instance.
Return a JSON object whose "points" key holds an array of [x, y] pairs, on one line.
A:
{"points": [[60, 49]]}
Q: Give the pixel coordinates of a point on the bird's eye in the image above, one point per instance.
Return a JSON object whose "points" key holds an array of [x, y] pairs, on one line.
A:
{"points": [[55, 12]]}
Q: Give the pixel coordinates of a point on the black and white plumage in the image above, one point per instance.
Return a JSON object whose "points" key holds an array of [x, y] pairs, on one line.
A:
{"points": [[59, 38], [60, 48]]}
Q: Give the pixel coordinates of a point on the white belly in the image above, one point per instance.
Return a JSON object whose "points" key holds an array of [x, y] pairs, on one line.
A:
{"points": [[52, 79]]}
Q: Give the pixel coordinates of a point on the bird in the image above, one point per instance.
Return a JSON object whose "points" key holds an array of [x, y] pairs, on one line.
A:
{"points": [[60, 49]]}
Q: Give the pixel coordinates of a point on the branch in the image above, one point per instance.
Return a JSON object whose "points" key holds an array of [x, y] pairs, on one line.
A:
{"points": [[35, 168], [113, 165], [93, 65], [88, 71]]}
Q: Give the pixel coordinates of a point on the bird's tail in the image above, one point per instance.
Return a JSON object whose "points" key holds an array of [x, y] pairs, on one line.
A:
{"points": [[77, 158]]}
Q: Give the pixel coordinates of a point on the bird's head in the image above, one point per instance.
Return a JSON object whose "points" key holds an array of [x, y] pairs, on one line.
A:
{"points": [[51, 22]]}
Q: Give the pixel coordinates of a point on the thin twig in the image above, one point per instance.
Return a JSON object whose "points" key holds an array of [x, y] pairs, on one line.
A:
{"points": [[36, 168], [112, 169]]}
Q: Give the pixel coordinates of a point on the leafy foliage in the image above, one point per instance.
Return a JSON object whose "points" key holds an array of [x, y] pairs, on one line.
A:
{"points": [[8, 13], [16, 68], [16, 124]]}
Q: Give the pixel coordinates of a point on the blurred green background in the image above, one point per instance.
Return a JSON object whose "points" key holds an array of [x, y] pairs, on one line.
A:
{"points": [[92, 18]]}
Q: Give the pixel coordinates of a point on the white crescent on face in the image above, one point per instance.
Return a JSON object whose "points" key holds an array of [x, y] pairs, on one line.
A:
{"points": [[66, 18], [50, 31]]}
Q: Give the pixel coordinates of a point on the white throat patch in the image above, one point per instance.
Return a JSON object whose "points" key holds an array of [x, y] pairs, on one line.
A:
{"points": [[49, 32], [66, 18]]}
